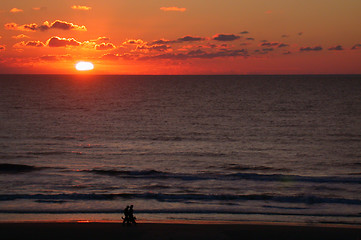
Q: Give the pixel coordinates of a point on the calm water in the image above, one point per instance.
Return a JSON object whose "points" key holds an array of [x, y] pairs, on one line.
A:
{"points": [[264, 148]]}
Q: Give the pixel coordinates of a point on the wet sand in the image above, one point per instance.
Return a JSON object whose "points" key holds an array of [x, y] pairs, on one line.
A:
{"points": [[160, 231]]}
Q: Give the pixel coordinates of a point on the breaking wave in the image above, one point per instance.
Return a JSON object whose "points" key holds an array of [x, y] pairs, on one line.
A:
{"points": [[154, 174]]}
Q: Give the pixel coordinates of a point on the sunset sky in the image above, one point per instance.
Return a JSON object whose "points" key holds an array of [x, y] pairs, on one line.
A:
{"points": [[181, 36]]}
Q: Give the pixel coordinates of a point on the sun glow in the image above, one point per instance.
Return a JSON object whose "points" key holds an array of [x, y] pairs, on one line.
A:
{"points": [[84, 66]]}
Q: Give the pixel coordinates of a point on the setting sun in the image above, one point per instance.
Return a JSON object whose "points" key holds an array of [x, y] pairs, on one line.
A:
{"points": [[84, 66]]}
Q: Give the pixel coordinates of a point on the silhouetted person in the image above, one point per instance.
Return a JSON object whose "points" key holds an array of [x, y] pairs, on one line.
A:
{"points": [[126, 216], [131, 215]]}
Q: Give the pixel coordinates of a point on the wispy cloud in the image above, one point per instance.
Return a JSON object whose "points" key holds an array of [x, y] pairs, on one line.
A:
{"points": [[55, 58], [16, 10], [29, 44], [39, 8], [356, 46], [105, 46], [83, 8], [336, 48], [173, 9], [20, 36], [100, 39]]}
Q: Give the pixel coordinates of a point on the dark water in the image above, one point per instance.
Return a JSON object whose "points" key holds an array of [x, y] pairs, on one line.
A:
{"points": [[267, 148]]}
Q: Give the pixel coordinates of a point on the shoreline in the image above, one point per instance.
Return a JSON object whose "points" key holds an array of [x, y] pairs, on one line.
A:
{"points": [[174, 230], [189, 222]]}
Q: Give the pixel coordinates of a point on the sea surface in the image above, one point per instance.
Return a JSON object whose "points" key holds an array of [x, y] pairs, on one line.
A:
{"points": [[215, 148]]}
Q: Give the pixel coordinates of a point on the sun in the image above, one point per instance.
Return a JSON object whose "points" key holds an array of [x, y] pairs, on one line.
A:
{"points": [[84, 66]]}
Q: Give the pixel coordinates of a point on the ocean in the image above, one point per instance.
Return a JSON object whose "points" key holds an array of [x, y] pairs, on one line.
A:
{"points": [[208, 148]]}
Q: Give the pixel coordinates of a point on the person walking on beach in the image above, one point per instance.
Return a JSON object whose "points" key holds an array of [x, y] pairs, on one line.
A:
{"points": [[131, 215], [126, 216]]}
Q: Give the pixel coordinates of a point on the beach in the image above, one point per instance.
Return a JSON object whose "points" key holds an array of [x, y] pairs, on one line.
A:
{"points": [[99, 230]]}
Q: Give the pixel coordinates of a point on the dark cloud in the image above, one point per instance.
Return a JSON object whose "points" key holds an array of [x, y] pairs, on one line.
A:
{"points": [[30, 27], [285, 36], [226, 37], [45, 26], [199, 54], [336, 48], [283, 45], [111, 56], [269, 44], [267, 49], [25, 27], [161, 41], [244, 32], [189, 39], [62, 42], [2, 48], [115, 57], [104, 46], [134, 42], [300, 33], [306, 49], [156, 47], [257, 51], [61, 25], [356, 46], [250, 39]]}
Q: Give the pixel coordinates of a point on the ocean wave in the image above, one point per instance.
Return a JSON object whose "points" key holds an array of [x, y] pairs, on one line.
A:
{"points": [[129, 174], [17, 168], [154, 174], [305, 199], [239, 167], [47, 153]]}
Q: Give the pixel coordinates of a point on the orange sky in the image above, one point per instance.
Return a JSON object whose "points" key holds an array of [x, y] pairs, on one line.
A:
{"points": [[181, 36]]}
